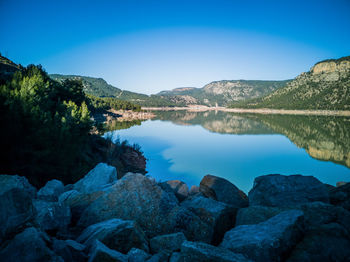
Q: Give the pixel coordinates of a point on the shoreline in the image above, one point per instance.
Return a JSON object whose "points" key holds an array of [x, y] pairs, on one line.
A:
{"points": [[253, 111]]}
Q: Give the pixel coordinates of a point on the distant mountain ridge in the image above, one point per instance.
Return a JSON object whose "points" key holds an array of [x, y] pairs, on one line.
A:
{"points": [[325, 87]]}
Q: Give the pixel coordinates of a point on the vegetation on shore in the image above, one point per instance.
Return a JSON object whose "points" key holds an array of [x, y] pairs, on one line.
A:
{"points": [[46, 126]]}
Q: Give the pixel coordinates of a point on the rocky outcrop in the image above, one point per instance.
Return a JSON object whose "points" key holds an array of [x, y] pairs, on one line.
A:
{"points": [[137, 255], [255, 214], [96, 179], [287, 191], [69, 250], [29, 246], [171, 242], [101, 253], [222, 190], [179, 188], [340, 196], [220, 216], [8, 182], [271, 240], [116, 234], [51, 191]]}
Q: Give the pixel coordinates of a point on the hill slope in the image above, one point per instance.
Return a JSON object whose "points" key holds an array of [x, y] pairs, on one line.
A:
{"points": [[224, 92], [325, 87]]}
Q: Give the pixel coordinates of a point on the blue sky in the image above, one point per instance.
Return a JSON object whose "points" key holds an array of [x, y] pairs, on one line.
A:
{"points": [[149, 46]]}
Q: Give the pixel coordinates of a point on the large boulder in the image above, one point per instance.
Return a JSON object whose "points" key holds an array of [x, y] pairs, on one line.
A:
{"points": [[179, 188], [8, 182], [52, 215], [287, 191], [197, 251], [101, 253], [16, 211], [255, 214], [222, 190], [51, 191], [133, 197], [340, 196], [171, 242], [96, 179], [218, 215], [30, 245], [69, 250], [328, 242], [137, 255], [116, 234], [271, 240]]}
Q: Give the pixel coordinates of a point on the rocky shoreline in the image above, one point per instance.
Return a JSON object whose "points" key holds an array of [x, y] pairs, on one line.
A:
{"points": [[135, 218]]}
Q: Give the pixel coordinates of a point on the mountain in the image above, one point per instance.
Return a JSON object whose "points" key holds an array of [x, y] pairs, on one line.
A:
{"points": [[100, 88], [222, 93], [7, 67], [325, 87]]}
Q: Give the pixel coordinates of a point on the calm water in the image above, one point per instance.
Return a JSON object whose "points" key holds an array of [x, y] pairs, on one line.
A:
{"points": [[186, 146]]}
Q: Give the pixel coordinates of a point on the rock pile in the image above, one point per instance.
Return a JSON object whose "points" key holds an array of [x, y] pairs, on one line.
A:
{"points": [[134, 218]]}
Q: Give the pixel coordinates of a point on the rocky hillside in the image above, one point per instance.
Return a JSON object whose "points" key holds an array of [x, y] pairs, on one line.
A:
{"points": [[135, 218], [7, 68], [326, 87], [224, 92]]}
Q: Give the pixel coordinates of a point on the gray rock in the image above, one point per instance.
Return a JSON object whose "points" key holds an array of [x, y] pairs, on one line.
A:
{"points": [[329, 242], [117, 234], [179, 188], [30, 245], [255, 214], [69, 250], [16, 211], [218, 215], [196, 251], [101, 253], [133, 197], [176, 257], [183, 220], [96, 179], [287, 191], [137, 255], [340, 196], [194, 190], [51, 191], [52, 215], [222, 190], [8, 182], [170, 242], [271, 240]]}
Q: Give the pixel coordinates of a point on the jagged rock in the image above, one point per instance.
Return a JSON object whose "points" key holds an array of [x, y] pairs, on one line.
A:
{"points": [[176, 257], [220, 216], [179, 188], [183, 220], [96, 179], [133, 197], [51, 191], [255, 214], [69, 250], [137, 255], [117, 234], [170, 242], [222, 190], [78, 202], [196, 251], [267, 241], [194, 190], [329, 242], [8, 182], [101, 253], [340, 196], [16, 210], [319, 213], [52, 215], [287, 191], [30, 245], [160, 257]]}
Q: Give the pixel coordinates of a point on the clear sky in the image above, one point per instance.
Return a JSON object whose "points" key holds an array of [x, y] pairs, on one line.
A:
{"points": [[148, 46]]}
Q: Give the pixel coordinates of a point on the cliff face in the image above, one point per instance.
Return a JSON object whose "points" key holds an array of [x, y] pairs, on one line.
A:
{"points": [[326, 87]]}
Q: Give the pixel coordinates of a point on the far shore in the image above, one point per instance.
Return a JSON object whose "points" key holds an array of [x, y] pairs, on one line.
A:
{"points": [[254, 111]]}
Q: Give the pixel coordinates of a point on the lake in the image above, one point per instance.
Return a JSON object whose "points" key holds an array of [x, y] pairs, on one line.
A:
{"points": [[187, 145]]}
